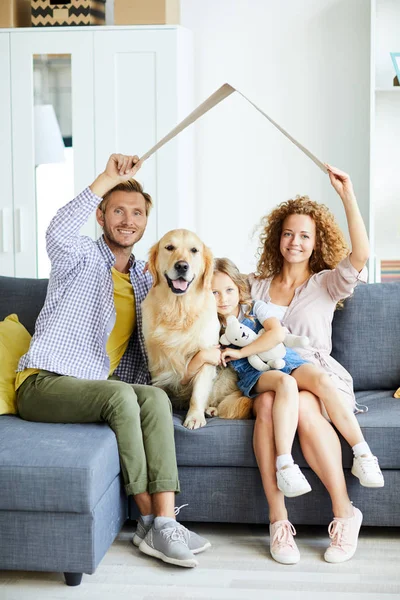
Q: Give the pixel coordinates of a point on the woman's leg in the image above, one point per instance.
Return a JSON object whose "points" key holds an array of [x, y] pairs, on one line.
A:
{"points": [[264, 450], [312, 379], [321, 449], [282, 545]]}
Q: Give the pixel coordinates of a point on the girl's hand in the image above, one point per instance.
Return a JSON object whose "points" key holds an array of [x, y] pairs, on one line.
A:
{"points": [[212, 356], [340, 181], [230, 354]]}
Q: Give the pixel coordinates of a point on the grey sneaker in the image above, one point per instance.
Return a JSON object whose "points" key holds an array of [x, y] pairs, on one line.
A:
{"points": [[197, 543], [140, 532], [169, 543]]}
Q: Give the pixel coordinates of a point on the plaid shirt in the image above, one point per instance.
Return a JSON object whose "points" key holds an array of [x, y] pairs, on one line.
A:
{"points": [[79, 314]]}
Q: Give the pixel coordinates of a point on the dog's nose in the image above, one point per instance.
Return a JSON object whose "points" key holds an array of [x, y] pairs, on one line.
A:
{"points": [[181, 267]]}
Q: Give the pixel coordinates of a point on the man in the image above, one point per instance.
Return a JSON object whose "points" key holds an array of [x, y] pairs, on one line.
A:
{"points": [[88, 349]]}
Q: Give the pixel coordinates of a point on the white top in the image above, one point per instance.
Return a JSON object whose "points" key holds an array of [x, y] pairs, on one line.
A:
{"points": [[264, 310]]}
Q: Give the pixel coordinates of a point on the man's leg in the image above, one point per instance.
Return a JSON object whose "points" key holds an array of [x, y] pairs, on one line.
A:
{"points": [[52, 398], [163, 538]]}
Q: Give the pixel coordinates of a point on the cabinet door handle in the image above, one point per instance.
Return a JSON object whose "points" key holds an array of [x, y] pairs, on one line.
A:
{"points": [[18, 230], [5, 230]]}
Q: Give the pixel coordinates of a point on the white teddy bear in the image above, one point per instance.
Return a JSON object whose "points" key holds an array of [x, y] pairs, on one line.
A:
{"points": [[240, 335]]}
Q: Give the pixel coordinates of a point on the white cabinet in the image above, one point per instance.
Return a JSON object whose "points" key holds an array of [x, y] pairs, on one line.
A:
{"points": [[129, 86], [6, 180], [143, 87]]}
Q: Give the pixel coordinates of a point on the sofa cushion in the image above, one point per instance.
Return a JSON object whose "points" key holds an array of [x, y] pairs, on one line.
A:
{"points": [[55, 467], [228, 443], [24, 297], [14, 342], [366, 336]]}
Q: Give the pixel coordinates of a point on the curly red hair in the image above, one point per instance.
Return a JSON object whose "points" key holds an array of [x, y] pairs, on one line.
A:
{"points": [[330, 244]]}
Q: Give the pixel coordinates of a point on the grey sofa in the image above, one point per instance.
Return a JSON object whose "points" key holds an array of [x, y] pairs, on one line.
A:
{"points": [[61, 500]]}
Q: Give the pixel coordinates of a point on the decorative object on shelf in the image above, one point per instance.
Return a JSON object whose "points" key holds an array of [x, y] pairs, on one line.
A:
{"points": [[396, 63], [73, 12], [146, 12], [390, 270], [15, 13]]}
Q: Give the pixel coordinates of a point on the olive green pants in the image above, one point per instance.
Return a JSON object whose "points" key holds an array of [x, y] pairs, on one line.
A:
{"points": [[139, 415]]}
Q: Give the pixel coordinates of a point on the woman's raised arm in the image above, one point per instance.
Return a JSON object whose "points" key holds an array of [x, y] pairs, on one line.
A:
{"points": [[358, 233]]}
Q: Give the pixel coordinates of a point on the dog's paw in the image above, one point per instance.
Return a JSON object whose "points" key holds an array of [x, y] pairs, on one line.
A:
{"points": [[194, 420], [211, 411]]}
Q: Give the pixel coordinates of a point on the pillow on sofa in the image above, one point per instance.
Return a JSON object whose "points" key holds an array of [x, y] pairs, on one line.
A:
{"points": [[397, 393], [14, 342]]}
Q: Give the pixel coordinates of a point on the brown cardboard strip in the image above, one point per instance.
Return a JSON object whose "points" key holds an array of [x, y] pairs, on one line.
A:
{"points": [[223, 92]]}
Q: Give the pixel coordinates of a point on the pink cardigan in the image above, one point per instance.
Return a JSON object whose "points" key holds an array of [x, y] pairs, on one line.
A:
{"points": [[311, 312]]}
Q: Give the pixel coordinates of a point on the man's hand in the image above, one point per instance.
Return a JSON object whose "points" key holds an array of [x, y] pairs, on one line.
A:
{"points": [[120, 167], [230, 354]]}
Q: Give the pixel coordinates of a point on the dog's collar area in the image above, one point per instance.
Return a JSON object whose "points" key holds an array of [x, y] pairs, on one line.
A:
{"points": [[179, 285]]}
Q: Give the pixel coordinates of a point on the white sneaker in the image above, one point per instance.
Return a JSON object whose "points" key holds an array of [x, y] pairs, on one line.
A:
{"points": [[366, 468], [283, 548], [292, 482]]}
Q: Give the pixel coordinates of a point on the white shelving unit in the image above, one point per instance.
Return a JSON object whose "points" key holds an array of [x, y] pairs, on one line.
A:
{"points": [[129, 87], [385, 131]]}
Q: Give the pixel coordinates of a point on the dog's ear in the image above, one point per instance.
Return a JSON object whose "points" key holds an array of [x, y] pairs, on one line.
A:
{"points": [[208, 267], [152, 264]]}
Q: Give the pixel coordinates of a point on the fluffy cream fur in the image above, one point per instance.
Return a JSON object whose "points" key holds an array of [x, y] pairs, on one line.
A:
{"points": [[177, 326]]}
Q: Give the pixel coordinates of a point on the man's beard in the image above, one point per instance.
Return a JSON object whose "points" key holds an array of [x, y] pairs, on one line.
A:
{"points": [[116, 243]]}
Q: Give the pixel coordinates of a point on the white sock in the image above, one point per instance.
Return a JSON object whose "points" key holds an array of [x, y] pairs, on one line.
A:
{"points": [[147, 519], [283, 460], [160, 521], [361, 448]]}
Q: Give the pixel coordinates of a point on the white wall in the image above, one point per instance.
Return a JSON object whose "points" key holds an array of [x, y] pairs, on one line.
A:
{"points": [[306, 63]]}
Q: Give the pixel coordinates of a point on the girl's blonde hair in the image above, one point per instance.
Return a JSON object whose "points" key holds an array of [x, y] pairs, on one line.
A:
{"points": [[330, 244], [227, 267]]}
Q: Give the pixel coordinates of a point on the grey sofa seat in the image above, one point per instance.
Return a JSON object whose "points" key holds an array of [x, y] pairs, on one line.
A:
{"points": [[55, 467], [224, 443]]}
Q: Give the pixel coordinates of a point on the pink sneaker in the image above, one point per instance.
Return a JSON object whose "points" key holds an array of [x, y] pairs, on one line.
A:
{"points": [[282, 545], [344, 536]]}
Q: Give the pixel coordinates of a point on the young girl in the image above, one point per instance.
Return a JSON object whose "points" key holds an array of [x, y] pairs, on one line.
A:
{"points": [[232, 296]]}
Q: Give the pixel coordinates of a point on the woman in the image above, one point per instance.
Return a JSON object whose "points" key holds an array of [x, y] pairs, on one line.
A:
{"points": [[304, 271]]}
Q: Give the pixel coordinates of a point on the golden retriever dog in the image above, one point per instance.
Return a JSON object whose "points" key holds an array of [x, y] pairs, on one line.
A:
{"points": [[179, 320]]}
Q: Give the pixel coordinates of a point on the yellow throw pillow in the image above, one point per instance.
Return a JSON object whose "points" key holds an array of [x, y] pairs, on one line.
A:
{"points": [[397, 393], [14, 342]]}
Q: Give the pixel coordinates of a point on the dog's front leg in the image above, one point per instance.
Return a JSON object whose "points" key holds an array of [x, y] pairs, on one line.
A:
{"points": [[202, 386]]}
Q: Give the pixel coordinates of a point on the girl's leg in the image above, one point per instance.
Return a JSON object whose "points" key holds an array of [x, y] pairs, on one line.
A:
{"points": [[365, 465], [282, 545], [290, 479], [285, 409], [311, 378]]}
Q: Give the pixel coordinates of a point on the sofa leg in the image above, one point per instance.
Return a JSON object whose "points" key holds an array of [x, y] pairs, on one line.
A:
{"points": [[73, 578]]}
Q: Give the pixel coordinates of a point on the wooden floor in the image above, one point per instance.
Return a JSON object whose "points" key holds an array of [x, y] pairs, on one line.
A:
{"points": [[237, 567]]}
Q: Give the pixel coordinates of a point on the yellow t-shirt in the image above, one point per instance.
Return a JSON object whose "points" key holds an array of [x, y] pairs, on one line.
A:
{"points": [[117, 343], [124, 301]]}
